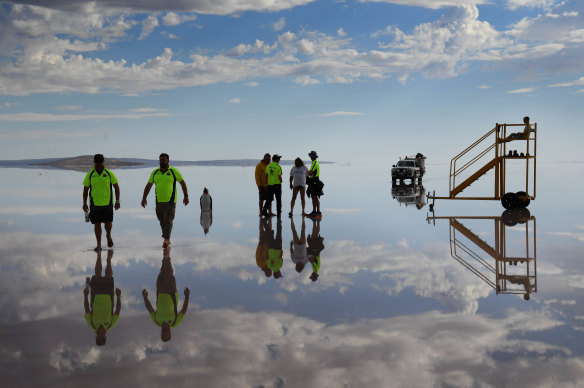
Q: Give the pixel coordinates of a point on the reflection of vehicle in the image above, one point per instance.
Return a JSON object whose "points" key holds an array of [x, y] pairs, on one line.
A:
{"points": [[412, 194], [409, 168], [514, 269]]}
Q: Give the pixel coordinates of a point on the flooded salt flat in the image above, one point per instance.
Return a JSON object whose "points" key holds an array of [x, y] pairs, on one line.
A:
{"points": [[398, 300]]}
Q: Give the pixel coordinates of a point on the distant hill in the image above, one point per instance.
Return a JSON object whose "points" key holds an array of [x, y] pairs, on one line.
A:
{"points": [[85, 163]]}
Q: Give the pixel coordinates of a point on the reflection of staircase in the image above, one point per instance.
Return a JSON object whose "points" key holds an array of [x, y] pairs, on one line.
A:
{"points": [[474, 238]]}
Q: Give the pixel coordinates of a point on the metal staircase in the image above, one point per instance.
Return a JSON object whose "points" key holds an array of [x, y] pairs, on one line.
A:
{"points": [[490, 153]]}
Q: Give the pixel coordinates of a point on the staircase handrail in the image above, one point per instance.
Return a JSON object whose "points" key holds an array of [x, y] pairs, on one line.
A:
{"points": [[464, 152]]}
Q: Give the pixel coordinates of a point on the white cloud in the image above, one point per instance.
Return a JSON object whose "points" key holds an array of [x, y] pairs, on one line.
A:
{"points": [[523, 90], [484, 86], [36, 134], [577, 82], [148, 25], [279, 25], [235, 100], [306, 80], [340, 113], [546, 4], [432, 4], [48, 117], [69, 107], [174, 19], [341, 33], [173, 36], [252, 84]]}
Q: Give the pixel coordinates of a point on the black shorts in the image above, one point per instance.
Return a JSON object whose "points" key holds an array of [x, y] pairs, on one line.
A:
{"points": [[314, 189], [101, 286], [98, 214], [264, 193]]}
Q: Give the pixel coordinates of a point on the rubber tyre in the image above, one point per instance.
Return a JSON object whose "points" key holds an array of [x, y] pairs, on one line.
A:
{"points": [[510, 201], [522, 203], [510, 217], [523, 215]]}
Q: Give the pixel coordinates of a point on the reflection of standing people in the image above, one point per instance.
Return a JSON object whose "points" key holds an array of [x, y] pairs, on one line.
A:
{"points": [[298, 183], [262, 181], [98, 185], [166, 315], [262, 248], [315, 246], [165, 179], [274, 178], [206, 218], [298, 251], [314, 190], [275, 252], [99, 313]]}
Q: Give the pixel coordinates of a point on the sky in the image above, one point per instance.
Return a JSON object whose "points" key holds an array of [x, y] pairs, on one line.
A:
{"points": [[357, 81]]}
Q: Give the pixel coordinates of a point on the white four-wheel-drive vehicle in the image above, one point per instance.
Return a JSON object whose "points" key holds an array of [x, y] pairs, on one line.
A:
{"points": [[409, 168]]}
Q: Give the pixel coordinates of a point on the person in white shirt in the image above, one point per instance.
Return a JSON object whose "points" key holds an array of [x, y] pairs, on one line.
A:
{"points": [[298, 175], [298, 250]]}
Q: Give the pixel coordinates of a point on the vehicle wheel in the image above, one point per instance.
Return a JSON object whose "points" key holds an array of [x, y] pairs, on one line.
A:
{"points": [[510, 217], [510, 201], [393, 180], [523, 199], [523, 215]]}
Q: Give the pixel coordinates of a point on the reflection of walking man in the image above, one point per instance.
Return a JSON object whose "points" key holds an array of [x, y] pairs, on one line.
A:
{"points": [[298, 252], [274, 177], [262, 248], [98, 185], [206, 203], [99, 313], [275, 252], [166, 315], [315, 246], [165, 179]]}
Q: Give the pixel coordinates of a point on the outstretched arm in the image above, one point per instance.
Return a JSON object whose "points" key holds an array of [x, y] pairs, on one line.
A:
{"points": [[147, 302], [183, 185], [86, 300], [117, 191], [118, 302], [146, 191], [85, 194], [186, 301]]}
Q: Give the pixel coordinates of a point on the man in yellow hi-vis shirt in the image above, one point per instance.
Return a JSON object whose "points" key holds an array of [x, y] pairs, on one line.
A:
{"points": [[97, 185], [274, 177], [165, 179]]}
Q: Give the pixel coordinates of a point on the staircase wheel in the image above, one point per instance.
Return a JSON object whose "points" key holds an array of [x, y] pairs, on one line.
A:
{"points": [[510, 201], [523, 199], [510, 217]]}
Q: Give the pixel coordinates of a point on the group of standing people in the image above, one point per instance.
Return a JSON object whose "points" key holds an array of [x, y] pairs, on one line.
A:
{"points": [[268, 176]]}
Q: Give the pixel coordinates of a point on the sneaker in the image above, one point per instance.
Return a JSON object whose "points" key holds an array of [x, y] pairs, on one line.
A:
{"points": [[317, 216]]}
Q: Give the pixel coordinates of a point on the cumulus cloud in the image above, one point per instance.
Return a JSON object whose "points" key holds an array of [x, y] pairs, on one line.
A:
{"points": [[279, 25], [148, 25], [49, 52], [523, 90], [514, 4], [171, 19], [432, 4]]}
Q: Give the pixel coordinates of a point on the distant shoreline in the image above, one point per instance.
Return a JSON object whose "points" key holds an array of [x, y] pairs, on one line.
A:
{"points": [[85, 163]]}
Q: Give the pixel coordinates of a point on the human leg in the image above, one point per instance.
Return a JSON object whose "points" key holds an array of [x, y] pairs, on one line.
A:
{"points": [[294, 194], [97, 231], [302, 199], [98, 265], [109, 272], [268, 202], [108, 233], [278, 194]]}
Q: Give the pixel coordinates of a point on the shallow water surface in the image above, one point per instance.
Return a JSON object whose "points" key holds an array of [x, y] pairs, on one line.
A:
{"points": [[462, 300]]}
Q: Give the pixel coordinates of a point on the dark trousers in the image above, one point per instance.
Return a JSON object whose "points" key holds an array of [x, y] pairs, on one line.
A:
{"points": [[165, 214], [274, 190]]}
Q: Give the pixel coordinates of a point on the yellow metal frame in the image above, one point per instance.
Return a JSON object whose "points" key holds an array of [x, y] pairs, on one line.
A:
{"points": [[503, 279], [498, 162]]}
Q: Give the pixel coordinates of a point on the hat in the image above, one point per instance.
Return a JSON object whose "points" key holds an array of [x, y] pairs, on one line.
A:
{"points": [[97, 158], [276, 156], [313, 154]]}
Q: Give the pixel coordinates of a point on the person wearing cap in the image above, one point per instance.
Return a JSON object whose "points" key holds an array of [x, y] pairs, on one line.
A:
{"points": [[165, 179], [97, 185], [314, 190], [274, 178], [262, 182]]}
